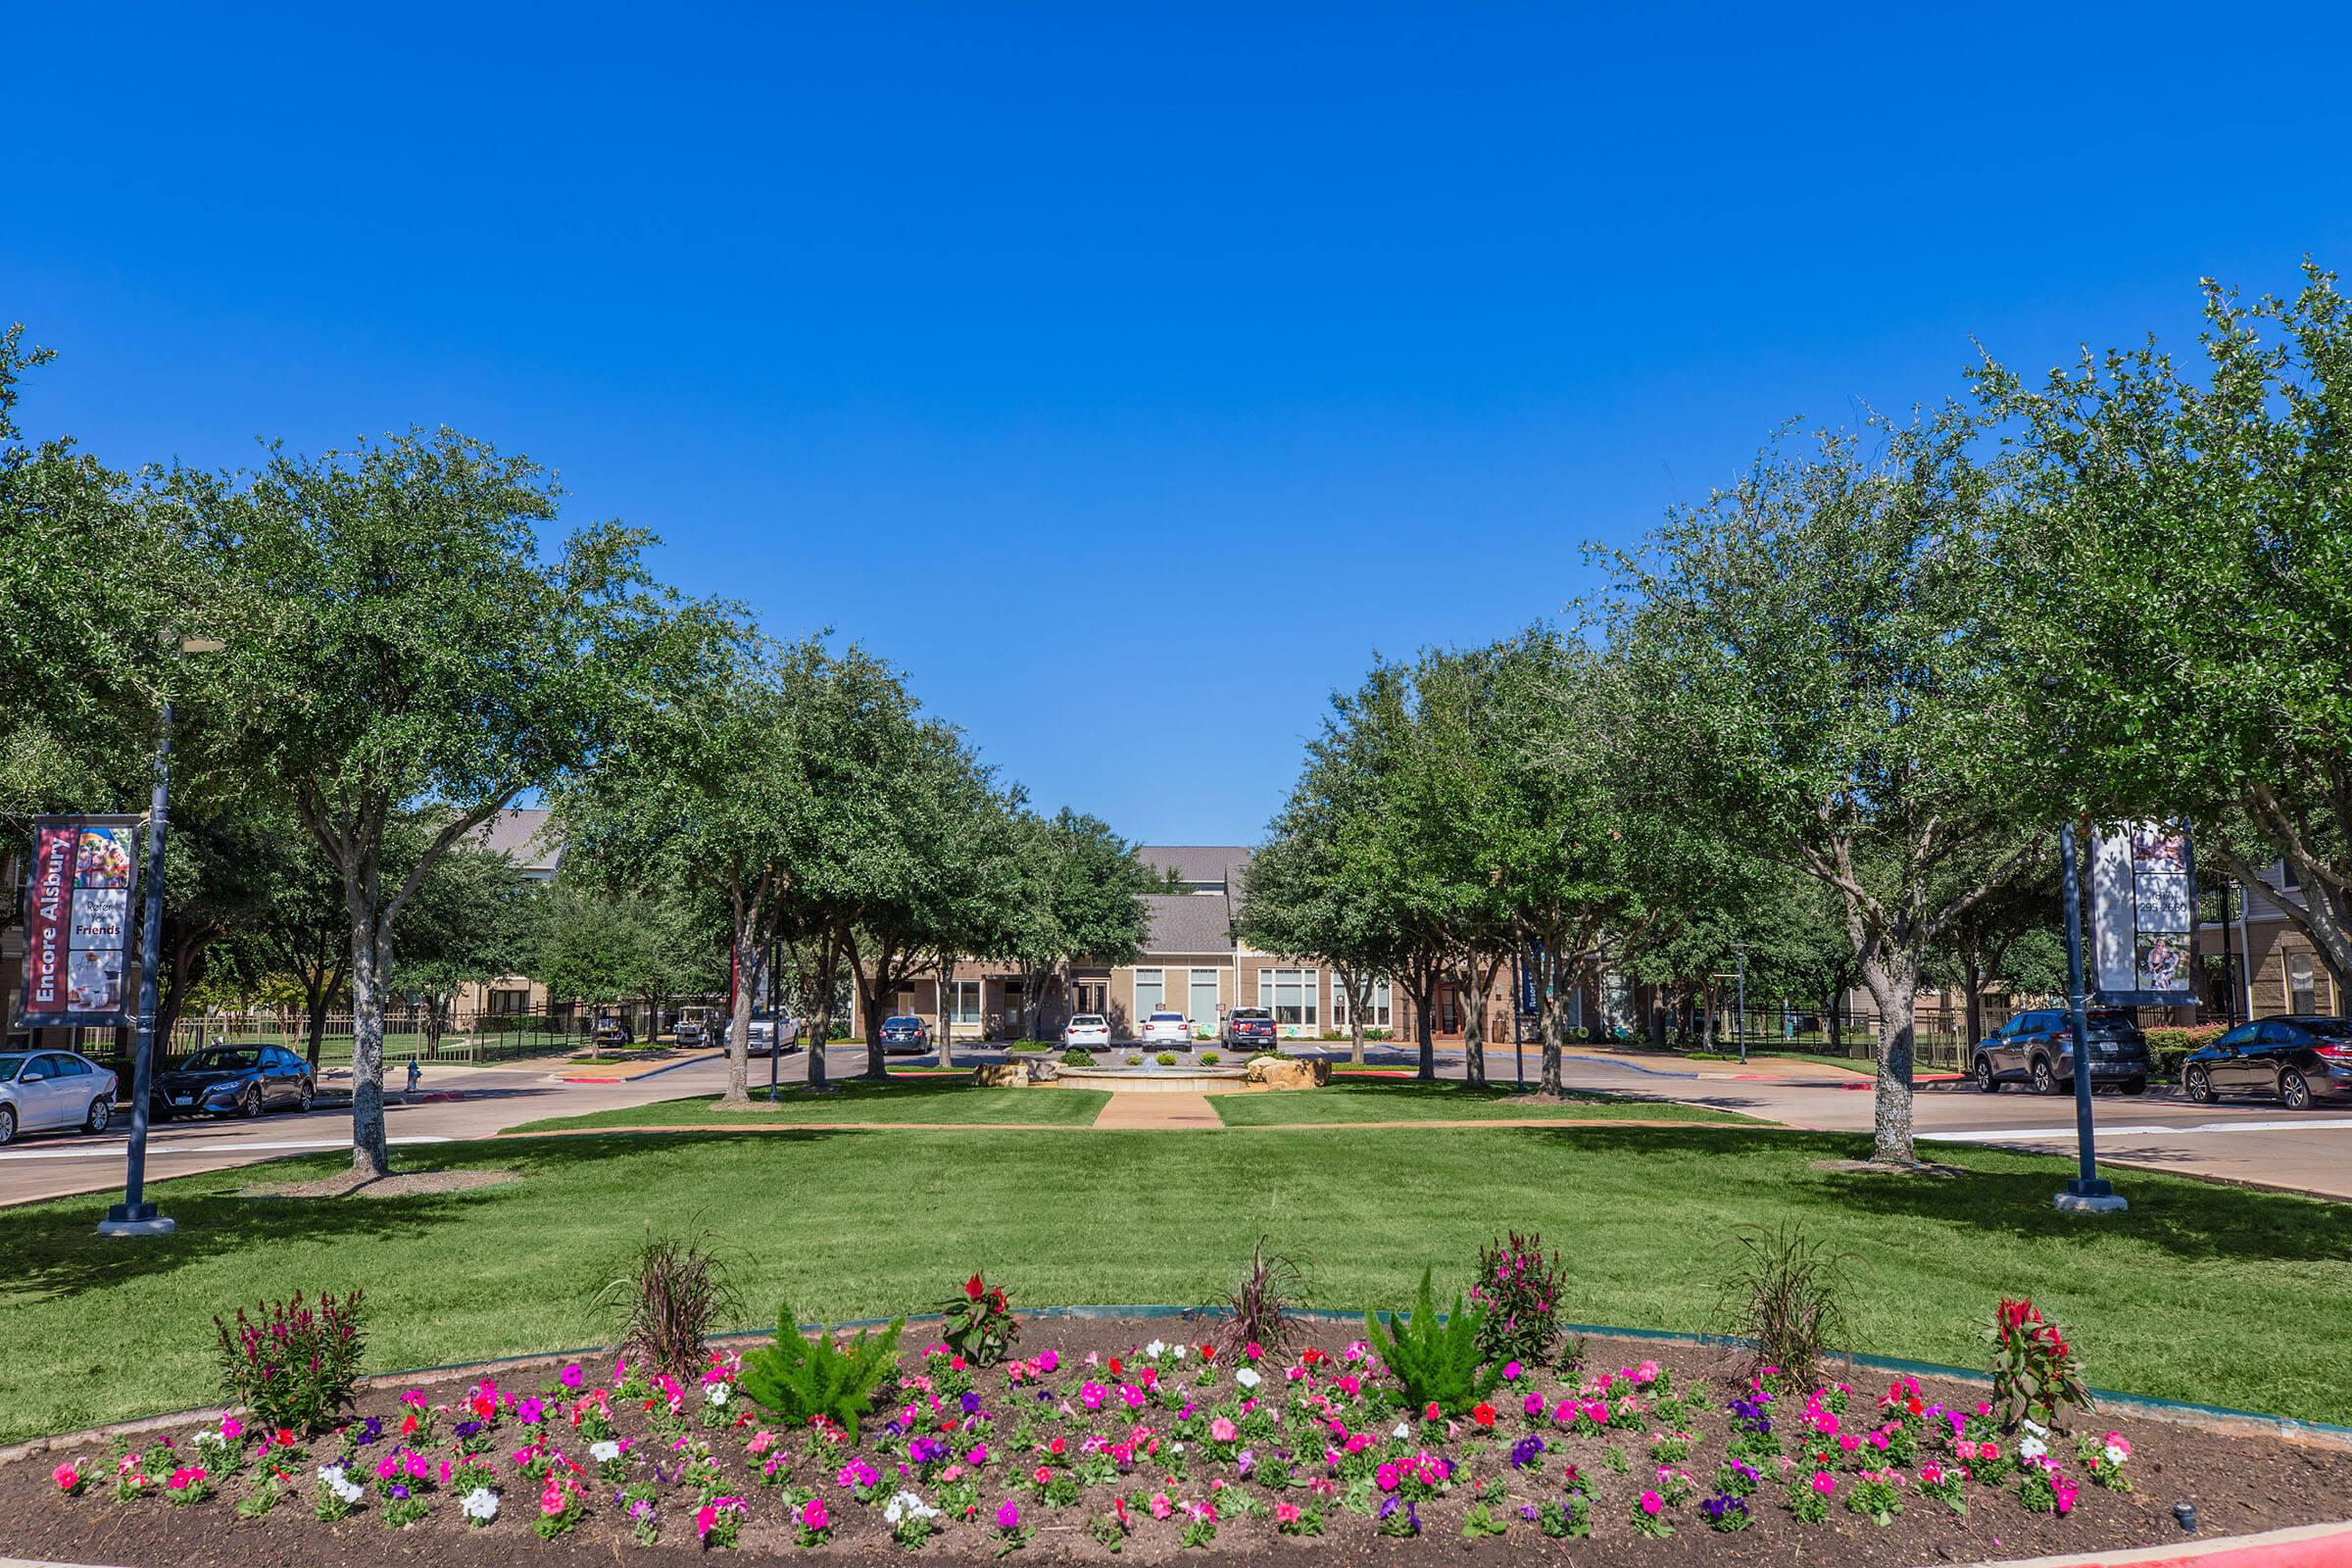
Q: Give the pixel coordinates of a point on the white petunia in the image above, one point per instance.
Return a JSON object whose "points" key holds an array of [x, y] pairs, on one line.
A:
{"points": [[906, 1505], [1155, 1350], [2116, 1456], [1179, 1352], [604, 1452], [1246, 1377], [2031, 1447], [332, 1478], [1403, 1431], [480, 1505], [716, 1393]]}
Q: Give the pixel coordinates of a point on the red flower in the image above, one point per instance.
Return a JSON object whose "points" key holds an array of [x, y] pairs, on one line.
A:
{"points": [[1209, 1352], [1484, 1415], [1114, 1367], [1915, 1405], [1433, 1414], [408, 1428], [285, 1437], [973, 1290], [996, 1299]]}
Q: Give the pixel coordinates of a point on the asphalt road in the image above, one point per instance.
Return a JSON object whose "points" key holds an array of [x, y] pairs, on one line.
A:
{"points": [[2237, 1139]]}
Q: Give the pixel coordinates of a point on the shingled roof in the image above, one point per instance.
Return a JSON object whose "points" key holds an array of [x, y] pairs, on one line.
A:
{"points": [[1187, 922]]}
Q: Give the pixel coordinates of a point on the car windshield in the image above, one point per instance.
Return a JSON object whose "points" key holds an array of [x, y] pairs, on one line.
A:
{"points": [[1251, 1014], [1087, 1020], [900, 1023], [1167, 1017], [222, 1060], [2106, 1018], [9, 1066]]}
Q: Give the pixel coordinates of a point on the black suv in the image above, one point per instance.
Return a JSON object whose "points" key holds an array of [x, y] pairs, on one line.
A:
{"points": [[2038, 1048], [2299, 1059]]}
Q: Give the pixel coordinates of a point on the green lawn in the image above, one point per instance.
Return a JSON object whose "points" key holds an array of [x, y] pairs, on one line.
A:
{"points": [[2165, 1300], [912, 1099], [1352, 1098]]}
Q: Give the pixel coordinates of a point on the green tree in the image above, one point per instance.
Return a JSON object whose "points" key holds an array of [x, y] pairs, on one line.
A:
{"points": [[2181, 574], [469, 923], [396, 641], [1082, 899], [1815, 674], [586, 943]]}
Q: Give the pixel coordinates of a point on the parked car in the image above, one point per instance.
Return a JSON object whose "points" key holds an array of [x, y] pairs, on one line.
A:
{"points": [[240, 1080], [41, 1090], [2036, 1047], [768, 1035], [1249, 1029], [2299, 1059], [905, 1035], [611, 1033], [1086, 1031], [1165, 1028], [693, 1027]]}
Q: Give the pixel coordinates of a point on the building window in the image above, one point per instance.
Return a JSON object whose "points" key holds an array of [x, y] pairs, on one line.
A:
{"points": [[2302, 986], [1290, 993], [1150, 989], [509, 1004], [2289, 880], [1376, 1008], [963, 1002]]}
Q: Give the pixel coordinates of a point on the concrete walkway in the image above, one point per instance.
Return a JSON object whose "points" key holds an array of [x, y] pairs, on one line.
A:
{"points": [[1158, 1112]]}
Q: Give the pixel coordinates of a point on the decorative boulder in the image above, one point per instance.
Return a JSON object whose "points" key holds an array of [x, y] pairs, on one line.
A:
{"points": [[1282, 1073], [1001, 1075]]}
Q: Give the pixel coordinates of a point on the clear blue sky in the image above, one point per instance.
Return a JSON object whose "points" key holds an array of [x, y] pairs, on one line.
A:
{"points": [[1128, 374]]}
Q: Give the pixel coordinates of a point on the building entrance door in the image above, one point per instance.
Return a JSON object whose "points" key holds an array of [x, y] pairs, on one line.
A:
{"points": [[1447, 1017]]}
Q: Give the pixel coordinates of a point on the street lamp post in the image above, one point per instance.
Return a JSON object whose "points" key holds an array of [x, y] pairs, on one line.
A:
{"points": [[2086, 1193], [1739, 1017], [134, 1215]]}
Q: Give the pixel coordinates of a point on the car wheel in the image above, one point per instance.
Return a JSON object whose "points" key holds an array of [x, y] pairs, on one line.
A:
{"points": [[2045, 1079], [251, 1104], [8, 1124], [1987, 1081], [2199, 1086], [308, 1095], [102, 1112], [2295, 1089]]}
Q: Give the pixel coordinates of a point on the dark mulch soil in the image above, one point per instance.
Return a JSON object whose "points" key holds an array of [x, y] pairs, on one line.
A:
{"points": [[2239, 1483]]}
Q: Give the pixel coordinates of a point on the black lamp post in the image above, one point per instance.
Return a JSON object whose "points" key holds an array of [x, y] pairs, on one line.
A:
{"points": [[2086, 1193]]}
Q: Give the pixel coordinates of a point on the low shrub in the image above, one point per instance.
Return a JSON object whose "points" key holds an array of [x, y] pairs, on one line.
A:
{"points": [[1135, 1061], [298, 1365], [1435, 1359], [1519, 1289], [1263, 1306], [2035, 1374], [2168, 1047], [1074, 1057], [1784, 1295], [1209, 1059], [667, 1303], [1167, 1058], [980, 1326], [802, 1379]]}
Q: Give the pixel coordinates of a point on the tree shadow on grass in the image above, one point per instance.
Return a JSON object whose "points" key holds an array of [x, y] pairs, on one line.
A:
{"points": [[2191, 1220], [53, 1248]]}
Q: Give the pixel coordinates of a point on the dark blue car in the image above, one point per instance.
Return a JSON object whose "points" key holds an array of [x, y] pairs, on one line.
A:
{"points": [[2297, 1060], [233, 1081]]}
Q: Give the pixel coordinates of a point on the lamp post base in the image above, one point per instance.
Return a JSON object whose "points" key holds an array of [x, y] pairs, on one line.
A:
{"points": [[2093, 1196], [135, 1219]]}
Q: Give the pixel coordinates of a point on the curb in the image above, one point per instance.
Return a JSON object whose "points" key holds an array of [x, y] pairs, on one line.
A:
{"points": [[2303, 1547], [636, 1077]]}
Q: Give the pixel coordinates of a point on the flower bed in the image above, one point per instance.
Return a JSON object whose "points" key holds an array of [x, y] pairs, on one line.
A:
{"points": [[1104, 1440]]}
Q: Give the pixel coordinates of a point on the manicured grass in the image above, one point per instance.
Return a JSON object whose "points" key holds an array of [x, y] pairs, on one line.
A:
{"points": [[2165, 1300], [1354, 1097], [910, 1098]]}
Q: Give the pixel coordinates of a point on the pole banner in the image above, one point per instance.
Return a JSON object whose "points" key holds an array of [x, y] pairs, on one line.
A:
{"points": [[2143, 915], [77, 901]]}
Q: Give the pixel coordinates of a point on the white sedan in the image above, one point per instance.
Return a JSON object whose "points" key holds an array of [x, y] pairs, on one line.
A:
{"points": [[50, 1089], [1167, 1029], [1086, 1031]]}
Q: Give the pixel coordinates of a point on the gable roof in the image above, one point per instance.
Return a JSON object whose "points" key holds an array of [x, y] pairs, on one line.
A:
{"points": [[1197, 863], [1187, 922], [530, 835]]}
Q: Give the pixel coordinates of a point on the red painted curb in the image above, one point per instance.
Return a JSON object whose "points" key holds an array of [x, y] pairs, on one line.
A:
{"points": [[2308, 1547]]}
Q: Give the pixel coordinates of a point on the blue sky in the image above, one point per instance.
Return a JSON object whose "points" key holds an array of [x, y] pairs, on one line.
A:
{"points": [[1129, 375]]}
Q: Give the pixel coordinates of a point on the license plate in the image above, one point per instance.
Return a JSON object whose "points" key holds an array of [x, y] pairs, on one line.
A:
{"points": [[183, 1100]]}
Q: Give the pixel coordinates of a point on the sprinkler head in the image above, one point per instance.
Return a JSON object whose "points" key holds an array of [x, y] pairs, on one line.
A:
{"points": [[2186, 1514]]}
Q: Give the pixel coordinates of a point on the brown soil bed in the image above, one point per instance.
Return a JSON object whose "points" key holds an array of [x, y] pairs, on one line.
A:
{"points": [[344, 1184], [2237, 1483]]}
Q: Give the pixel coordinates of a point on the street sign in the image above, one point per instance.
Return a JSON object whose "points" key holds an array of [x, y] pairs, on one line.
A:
{"points": [[78, 903]]}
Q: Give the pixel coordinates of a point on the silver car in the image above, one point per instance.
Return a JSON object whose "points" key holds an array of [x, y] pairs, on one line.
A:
{"points": [[44, 1090]]}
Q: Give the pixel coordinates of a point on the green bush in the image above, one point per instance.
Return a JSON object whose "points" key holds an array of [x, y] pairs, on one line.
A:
{"points": [[298, 1366], [1209, 1059], [800, 1379], [1437, 1359], [1135, 1061], [1074, 1057], [1167, 1058], [2169, 1047]]}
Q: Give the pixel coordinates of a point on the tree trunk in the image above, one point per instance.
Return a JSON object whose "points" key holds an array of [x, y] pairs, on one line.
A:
{"points": [[371, 957], [739, 1019], [1973, 978], [1894, 985], [947, 1013], [1423, 988], [1830, 1011], [318, 990], [1358, 987]]}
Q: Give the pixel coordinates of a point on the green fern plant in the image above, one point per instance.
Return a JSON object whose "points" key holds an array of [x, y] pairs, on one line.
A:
{"points": [[1435, 1359], [800, 1378]]}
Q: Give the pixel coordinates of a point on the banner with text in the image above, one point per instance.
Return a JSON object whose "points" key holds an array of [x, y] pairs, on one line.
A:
{"points": [[78, 903], [2144, 914]]}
